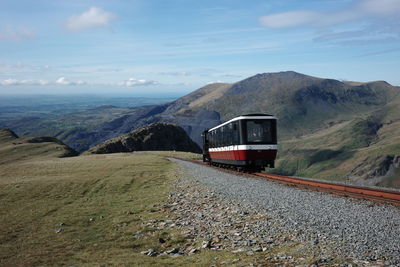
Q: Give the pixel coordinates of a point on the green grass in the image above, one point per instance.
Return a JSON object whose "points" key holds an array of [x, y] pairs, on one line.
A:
{"points": [[94, 210], [100, 202], [183, 155]]}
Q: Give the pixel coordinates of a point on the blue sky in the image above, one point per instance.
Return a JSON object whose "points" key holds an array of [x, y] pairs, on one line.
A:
{"points": [[176, 46]]}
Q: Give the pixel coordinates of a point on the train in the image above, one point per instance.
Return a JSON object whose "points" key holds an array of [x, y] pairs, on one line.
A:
{"points": [[247, 142]]}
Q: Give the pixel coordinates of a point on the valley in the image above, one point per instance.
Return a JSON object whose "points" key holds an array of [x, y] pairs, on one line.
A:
{"points": [[66, 117]]}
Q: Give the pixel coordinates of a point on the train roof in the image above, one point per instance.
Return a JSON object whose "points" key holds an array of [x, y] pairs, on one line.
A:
{"points": [[257, 116]]}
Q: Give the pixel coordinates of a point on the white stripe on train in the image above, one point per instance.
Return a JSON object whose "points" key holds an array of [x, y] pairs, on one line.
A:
{"points": [[243, 147], [263, 117]]}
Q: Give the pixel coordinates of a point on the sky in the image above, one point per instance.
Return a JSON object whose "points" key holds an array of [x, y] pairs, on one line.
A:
{"points": [[162, 47]]}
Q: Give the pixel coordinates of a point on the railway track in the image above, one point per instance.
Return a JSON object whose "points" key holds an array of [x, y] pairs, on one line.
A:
{"points": [[359, 192]]}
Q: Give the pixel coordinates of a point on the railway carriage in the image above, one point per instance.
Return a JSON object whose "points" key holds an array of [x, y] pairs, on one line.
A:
{"points": [[247, 142]]}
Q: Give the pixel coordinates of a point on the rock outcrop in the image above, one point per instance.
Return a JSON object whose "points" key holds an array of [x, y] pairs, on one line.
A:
{"points": [[155, 137]]}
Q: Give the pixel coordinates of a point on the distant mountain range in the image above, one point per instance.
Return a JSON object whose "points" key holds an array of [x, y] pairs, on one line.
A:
{"points": [[327, 128]]}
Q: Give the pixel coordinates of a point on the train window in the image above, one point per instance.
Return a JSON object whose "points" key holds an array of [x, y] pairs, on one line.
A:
{"points": [[231, 130], [221, 131], [230, 134], [235, 133], [259, 131], [215, 138], [227, 133], [219, 135], [224, 135]]}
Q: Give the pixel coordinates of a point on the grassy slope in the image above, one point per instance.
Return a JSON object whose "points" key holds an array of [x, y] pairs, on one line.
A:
{"points": [[117, 191], [14, 149], [99, 202], [334, 152]]}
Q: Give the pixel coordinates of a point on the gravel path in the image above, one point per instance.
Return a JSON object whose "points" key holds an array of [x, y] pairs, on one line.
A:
{"points": [[340, 227]]}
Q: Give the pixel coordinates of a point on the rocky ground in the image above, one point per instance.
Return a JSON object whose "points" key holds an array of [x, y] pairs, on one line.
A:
{"points": [[214, 210]]}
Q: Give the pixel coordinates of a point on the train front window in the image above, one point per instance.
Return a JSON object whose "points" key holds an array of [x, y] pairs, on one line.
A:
{"points": [[260, 131]]}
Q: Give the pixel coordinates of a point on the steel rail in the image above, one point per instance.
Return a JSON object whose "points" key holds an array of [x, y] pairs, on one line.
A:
{"points": [[360, 192]]}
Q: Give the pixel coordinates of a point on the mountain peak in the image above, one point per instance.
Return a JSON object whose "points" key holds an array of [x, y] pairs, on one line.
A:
{"points": [[283, 75]]}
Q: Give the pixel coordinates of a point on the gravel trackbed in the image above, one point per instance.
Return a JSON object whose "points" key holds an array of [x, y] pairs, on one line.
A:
{"points": [[347, 227]]}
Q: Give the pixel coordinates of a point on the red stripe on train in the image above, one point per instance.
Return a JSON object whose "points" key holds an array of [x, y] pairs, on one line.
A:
{"points": [[244, 155]]}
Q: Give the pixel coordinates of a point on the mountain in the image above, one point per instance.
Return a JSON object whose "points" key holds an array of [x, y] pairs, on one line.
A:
{"points": [[13, 148], [364, 150], [327, 128], [302, 103], [155, 137]]}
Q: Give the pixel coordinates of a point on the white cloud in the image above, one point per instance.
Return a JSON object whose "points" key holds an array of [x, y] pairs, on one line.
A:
{"points": [[11, 82], [80, 83], [290, 19], [176, 73], [93, 18], [36, 82], [13, 34], [65, 81], [59, 81], [137, 82], [215, 82], [62, 81], [380, 7], [362, 9]]}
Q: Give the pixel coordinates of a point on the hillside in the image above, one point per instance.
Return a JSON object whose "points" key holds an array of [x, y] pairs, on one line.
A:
{"points": [[13, 148], [302, 103], [86, 210], [330, 123], [364, 150], [155, 137], [338, 119]]}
